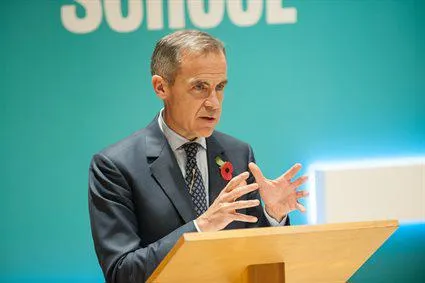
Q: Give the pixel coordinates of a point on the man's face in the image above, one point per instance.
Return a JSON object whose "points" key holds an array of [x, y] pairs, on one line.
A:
{"points": [[193, 102]]}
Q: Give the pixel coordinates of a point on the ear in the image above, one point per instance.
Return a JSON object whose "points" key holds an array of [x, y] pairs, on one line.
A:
{"points": [[160, 86]]}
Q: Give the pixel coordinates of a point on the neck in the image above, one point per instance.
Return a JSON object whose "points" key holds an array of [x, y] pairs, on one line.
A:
{"points": [[170, 123]]}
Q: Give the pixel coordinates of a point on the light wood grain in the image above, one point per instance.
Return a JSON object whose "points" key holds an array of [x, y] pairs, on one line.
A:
{"points": [[261, 273], [314, 253]]}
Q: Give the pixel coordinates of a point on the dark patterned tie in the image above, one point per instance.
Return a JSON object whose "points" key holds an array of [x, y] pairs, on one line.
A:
{"points": [[194, 179]]}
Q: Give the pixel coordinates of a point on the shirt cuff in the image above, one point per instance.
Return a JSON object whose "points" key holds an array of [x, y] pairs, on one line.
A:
{"points": [[197, 228], [273, 222]]}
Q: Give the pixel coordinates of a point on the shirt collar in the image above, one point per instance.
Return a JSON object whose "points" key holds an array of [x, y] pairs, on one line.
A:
{"points": [[175, 140]]}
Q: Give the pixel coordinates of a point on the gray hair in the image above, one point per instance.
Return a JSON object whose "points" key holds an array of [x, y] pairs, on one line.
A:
{"points": [[168, 52]]}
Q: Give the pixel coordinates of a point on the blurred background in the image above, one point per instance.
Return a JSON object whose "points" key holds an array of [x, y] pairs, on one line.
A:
{"points": [[323, 81]]}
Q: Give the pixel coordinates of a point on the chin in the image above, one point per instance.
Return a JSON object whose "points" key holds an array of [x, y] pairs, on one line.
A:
{"points": [[205, 133]]}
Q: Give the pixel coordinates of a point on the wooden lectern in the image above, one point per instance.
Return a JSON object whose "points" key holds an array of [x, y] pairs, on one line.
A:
{"points": [[318, 253]]}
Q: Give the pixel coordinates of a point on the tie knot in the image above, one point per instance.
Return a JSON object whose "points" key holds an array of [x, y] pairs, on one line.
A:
{"points": [[191, 148]]}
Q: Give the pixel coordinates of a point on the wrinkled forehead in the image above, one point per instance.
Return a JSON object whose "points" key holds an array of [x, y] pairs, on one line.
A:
{"points": [[210, 64]]}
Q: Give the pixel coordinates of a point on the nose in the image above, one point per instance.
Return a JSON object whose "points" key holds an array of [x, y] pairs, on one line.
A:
{"points": [[213, 101]]}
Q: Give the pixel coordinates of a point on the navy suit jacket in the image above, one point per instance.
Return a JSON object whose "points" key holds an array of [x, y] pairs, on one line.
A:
{"points": [[139, 204]]}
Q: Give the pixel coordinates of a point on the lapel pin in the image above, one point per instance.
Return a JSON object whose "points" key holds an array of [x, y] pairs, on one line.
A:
{"points": [[226, 168]]}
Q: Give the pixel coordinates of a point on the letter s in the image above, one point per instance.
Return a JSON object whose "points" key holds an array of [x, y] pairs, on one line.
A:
{"points": [[89, 23]]}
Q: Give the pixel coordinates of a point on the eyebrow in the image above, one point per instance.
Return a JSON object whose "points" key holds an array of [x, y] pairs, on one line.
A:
{"points": [[207, 83]]}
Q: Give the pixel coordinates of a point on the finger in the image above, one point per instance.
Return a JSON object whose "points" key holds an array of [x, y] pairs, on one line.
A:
{"points": [[301, 194], [236, 181], [241, 204], [240, 191], [288, 175], [301, 207], [244, 218], [298, 182], [258, 175]]}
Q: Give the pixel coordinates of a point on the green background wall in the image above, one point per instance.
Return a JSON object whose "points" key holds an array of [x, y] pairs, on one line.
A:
{"points": [[346, 82]]}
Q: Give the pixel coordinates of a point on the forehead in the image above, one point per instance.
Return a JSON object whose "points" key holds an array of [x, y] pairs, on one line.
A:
{"points": [[211, 65]]}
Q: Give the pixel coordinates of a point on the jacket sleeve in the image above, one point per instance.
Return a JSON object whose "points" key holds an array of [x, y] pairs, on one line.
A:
{"points": [[258, 211], [114, 227]]}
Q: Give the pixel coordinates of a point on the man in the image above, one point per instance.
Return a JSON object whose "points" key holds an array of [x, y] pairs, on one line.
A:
{"points": [[168, 178]]}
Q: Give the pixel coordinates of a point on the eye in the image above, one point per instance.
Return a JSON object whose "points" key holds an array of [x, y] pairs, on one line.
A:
{"points": [[220, 87], [200, 87]]}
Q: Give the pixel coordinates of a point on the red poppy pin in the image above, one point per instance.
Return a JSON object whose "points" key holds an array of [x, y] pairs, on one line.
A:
{"points": [[226, 168]]}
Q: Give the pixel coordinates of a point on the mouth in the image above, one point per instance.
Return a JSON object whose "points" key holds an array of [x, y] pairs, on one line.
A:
{"points": [[208, 119]]}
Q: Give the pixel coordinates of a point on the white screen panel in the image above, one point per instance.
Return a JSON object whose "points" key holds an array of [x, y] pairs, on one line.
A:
{"points": [[369, 191]]}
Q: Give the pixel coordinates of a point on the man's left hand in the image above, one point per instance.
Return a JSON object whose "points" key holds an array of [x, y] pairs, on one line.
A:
{"points": [[280, 196]]}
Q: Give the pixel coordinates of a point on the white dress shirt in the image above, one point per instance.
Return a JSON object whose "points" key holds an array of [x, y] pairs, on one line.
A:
{"points": [[176, 143]]}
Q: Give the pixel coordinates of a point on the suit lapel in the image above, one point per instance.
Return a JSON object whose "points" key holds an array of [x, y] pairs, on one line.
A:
{"points": [[166, 171], [216, 182]]}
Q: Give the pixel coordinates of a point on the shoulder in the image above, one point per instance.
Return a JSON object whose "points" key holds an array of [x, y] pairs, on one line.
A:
{"points": [[128, 143], [132, 145], [124, 153]]}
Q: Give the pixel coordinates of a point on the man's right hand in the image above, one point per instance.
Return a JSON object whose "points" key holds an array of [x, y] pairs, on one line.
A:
{"points": [[223, 210]]}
